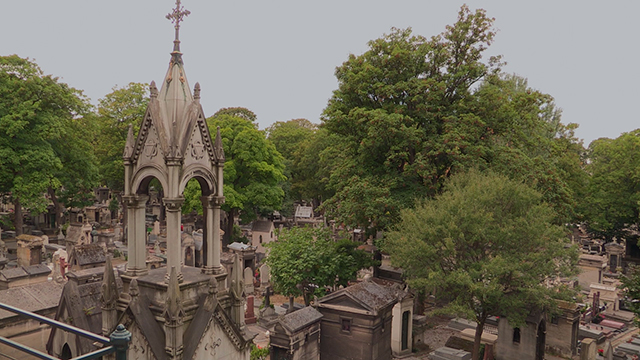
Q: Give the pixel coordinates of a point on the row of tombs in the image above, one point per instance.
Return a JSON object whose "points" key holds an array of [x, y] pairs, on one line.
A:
{"points": [[378, 311]]}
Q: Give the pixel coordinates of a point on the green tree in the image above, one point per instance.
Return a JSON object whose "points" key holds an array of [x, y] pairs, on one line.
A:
{"points": [[116, 112], [253, 168], [614, 187], [395, 104], [306, 260], [412, 111], [79, 173], [39, 118], [631, 289], [292, 139], [488, 245]]}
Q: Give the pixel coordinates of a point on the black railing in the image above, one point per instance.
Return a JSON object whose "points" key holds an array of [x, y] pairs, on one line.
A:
{"points": [[117, 343]]}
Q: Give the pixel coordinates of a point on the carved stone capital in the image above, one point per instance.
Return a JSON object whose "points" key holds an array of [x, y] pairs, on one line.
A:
{"points": [[216, 201], [173, 204], [212, 201], [134, 201]]}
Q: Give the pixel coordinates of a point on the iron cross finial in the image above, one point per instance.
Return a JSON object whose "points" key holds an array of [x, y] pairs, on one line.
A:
{"points": [[176, 16]]}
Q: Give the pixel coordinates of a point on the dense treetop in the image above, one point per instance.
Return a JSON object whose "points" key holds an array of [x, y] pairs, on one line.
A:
{"points": [[411, 111], [488, 245], [44, 130]]}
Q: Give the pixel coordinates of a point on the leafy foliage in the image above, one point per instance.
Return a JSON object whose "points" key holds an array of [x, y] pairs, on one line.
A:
{"points": [[192, 193], [306, 260], [42, 127], [631, 289], [412, 111], [116, 111], [253, 168], [258, 353], [292, 139], [487, 244], [614, 187]]}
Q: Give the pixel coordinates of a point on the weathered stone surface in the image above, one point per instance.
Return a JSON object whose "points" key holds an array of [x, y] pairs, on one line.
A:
{"points": [[248, 281], [265, 275], [588, 349]]}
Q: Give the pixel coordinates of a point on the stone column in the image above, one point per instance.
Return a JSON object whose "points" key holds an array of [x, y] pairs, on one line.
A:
{"points": [[213, 235], [136, 229], [174, 239]]}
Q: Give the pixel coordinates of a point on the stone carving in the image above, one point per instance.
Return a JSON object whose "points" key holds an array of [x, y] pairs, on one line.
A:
{"points": [[151, 145], [213, 345], [196, 91], [197, 150]]}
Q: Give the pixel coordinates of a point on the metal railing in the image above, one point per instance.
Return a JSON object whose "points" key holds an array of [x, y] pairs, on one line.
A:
{"points": [[117, 342]]}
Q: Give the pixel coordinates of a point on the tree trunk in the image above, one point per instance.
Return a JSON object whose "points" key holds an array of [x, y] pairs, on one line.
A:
{"points": [[226, 239], [290, 309], [477, 339], [17, 221], [56, 206]]}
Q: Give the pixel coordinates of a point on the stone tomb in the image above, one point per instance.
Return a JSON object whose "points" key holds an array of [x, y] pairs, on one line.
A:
{"points": [[178, 312], [356, 322], [296, 336], [29, 250]]}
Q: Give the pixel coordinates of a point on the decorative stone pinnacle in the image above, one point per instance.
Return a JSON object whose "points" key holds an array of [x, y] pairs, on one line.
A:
{"points": [[196, 91], [153, 89], [176, 16]]}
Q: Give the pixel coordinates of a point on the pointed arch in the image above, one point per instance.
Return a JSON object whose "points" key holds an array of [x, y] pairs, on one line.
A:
{"points": [[66, 354]]}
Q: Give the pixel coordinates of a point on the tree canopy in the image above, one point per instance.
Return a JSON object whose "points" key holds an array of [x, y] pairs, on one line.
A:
{"points": [[43, 138], [412, 111], [294, 139], [306, 260], [611, 203], [631, 289], [253, 168], [116, 111], [487, 244]]}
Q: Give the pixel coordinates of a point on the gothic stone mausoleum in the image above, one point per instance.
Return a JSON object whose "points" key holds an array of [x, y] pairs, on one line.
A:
{"points": [[177, 312]]}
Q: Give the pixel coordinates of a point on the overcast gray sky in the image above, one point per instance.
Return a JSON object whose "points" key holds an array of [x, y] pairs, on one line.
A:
{"points": [[278, 57]]}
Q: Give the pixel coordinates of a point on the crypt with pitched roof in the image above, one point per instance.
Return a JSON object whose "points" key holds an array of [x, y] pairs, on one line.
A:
{"points": [[177, 312]]}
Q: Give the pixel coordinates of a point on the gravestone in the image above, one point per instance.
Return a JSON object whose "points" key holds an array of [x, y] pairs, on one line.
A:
{"points": [[608, 350], [265, 275], [588, 349], [248, 280], [117, 232], [249, 314], [156, 228]]}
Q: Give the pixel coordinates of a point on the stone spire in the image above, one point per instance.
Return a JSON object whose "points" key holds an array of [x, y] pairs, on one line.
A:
{"points": [[109, 299]]}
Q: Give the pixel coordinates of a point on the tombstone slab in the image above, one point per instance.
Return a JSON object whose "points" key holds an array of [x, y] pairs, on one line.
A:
{"points": [[588, 349], [265, 275], [248, 281], [249, 314]]}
